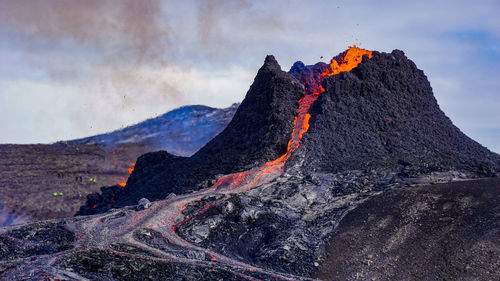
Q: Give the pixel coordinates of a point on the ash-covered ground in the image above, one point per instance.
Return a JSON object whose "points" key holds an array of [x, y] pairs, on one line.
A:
{"points": [[392, 214]]}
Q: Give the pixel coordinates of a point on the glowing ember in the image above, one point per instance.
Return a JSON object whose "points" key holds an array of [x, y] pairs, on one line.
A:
{"points": [[131, 169]]}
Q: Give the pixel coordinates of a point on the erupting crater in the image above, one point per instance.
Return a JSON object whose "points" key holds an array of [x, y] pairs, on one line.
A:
{"points": [[358, 120], [346, 61]]}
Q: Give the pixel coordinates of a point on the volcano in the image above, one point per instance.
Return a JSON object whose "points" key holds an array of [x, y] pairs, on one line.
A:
{"points": [[383, 114], [379, 115], [307, 153]]}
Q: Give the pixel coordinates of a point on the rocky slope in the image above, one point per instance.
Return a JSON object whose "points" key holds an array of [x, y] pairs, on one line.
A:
{"points": [[276, 222], [380, 115], [182, 131], [30, 175], [258, 132], [439, 232]]}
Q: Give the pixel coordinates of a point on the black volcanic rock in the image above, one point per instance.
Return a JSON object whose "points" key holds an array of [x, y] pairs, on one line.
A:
{"points": [[79, 167], [261, 127], [439, 232], [358, 221], [383, 114], [101, 265], [258, 132]]}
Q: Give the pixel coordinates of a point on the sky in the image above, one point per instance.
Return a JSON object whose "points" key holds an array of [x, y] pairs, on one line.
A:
{"points": [[72, 68]]}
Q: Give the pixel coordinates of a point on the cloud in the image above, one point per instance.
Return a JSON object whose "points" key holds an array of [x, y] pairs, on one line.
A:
{"points": [[99, 47], [114, 51], [66, 112], [224, 24]]}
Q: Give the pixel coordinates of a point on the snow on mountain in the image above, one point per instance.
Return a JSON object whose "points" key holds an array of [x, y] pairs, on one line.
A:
{"points": [[181, 131]]}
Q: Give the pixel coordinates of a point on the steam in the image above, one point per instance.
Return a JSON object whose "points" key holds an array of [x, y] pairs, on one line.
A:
{"points": [[114, 49], [119, 29], [118, 57], [222, 21], [209, 14]]}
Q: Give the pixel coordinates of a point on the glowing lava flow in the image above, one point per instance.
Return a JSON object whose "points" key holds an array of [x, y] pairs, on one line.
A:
{"points": [[249, 179], [171, 211], [167, 215], [124, 180]]}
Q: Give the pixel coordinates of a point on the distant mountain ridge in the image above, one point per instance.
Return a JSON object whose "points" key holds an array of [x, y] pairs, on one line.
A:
{"points": [[181, 131]]}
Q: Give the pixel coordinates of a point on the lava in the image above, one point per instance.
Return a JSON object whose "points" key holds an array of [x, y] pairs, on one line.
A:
{"points": [[123, 183], [166, 216], [131, 169], [346, 61]]}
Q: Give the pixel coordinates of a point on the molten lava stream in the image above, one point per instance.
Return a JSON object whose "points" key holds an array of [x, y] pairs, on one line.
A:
{"points": [[166, 216], [249, 179]]}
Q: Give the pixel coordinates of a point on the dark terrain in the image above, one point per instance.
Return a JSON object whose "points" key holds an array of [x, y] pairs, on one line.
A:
{"points": [[324, 214], [30, 174], [438, 232], [258, 132]]}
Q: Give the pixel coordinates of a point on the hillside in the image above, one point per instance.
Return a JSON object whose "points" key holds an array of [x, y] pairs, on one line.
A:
{"points": [[182, 131], [31, 174]]}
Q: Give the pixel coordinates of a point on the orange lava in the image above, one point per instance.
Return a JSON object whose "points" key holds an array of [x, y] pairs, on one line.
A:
{"points": [[131, 169], [123, 183], [346, 61]]}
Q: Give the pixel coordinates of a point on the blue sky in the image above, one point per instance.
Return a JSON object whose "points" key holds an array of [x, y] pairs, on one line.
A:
{"points": [[71, 68]]}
